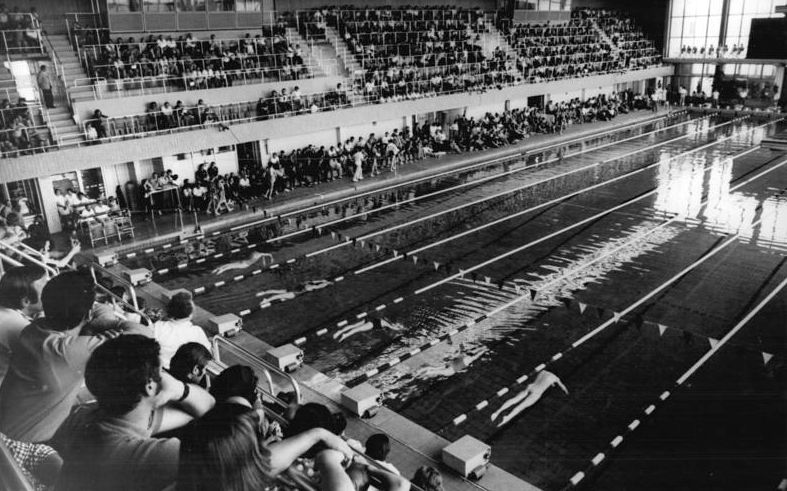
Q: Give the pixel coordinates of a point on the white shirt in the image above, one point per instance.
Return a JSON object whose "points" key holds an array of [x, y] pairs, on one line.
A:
{"points": [[172, 334]]}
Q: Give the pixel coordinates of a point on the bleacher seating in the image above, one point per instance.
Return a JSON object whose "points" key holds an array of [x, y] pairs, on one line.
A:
{"points": [[636, 51]]}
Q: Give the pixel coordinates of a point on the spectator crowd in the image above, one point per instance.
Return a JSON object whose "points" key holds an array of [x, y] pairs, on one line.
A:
{"points": [[96, 394], [19, 134]]}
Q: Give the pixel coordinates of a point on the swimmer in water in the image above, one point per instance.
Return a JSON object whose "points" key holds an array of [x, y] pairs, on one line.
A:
{"points": [[362, 326], [243, 263], [460, 362], [279, 294], [544, 380]]}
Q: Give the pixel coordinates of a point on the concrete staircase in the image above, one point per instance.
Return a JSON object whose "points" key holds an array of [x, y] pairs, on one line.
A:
{"points": [[7, 85], [61, 121], [348, 61], [606, 39], [65, 130], [309, 58], [492, 39], [72, 68]]}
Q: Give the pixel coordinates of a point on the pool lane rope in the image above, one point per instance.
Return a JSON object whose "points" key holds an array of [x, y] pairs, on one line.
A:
{"points": [[530, 295], [482, 180], [396, 253], [345, 240], [280, 217], [635, 423], [616, 316]]}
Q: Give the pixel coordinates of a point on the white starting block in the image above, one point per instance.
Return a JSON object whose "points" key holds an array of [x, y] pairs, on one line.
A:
{"points": [[105, 258], [468, 456], [226, 325], [288, 357], [363, 400], [778, 144], [168, 294], [138, 276]]}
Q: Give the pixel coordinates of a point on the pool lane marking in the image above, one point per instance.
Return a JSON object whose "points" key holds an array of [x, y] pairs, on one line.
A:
{"points": [[492, 177], [675, 218], [514, 190], [347, 240], [650, 409], [471, 167], [514, 215], [617, 315], [217, 255]]}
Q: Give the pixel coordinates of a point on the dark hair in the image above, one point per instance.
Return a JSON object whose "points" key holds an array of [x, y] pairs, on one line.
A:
{"points": [[221, 450], [428, 479], [234, 381], [378, 446], [180, 306], [313, 415], [67, 299], [119, 370], [17, 284], [186, 358]]}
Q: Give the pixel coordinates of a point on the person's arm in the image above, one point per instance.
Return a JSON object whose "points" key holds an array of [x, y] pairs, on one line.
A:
{"points": [[332, 474], [560, 384], [283, 453], [63, 262], [389, 480], [177, 411]]}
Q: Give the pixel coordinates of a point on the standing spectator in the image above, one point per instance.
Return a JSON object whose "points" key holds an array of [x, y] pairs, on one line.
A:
{"points": [[45, 84], [111, 446], [48, 361], [20, 303]]}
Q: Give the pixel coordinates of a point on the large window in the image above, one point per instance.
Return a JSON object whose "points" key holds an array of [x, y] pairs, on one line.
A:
{"points": [[694, 24]]}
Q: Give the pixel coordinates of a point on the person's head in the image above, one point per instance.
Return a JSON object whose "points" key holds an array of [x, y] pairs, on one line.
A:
{"points": [[189, 363], [12, 219], [58, 192], [378, 446], [235, 381], [313, 415], [21, 287], [43, 68], [180, 306], [123, 372], [428, 478], [67, 300], [221, 450]]}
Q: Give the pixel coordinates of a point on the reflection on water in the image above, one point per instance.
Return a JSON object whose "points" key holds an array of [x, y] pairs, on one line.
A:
{"points": [[683, 186]]}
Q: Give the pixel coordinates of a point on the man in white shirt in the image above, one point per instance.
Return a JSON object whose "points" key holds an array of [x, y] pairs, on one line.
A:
{"points": [[178, 330]]}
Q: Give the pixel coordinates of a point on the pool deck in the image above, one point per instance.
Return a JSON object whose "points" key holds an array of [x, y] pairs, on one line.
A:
{"points": [[165, 229]]}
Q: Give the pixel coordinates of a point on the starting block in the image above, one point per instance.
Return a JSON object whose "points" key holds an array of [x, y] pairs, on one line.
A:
{"points": [[468, 456], [288, 357], [363, 400], [138, 276], [105, 258], [226, 325]]}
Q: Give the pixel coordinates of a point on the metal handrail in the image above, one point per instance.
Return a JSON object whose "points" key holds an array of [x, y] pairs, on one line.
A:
{"points": [[254, 359], [10, 260], [126, 284], [107, 291], [49, 269]]}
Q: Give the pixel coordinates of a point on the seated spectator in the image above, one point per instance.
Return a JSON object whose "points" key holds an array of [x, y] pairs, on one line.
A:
{"points": [[378, 446], [20, 303], [178, 329], [222, 450], [48, 361], [189, 364], [12, 231], [112, 445], [427, 478]]}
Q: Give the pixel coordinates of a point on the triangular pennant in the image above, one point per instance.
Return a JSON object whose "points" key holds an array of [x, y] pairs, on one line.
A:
{"points": [[615, 317], [516, 288], [662, 328], [363, 243], [415, 259], [582, 307], [377, 247], [487, 280], [289, 221], [436, 265], [461, 274], [533, 294], [766, 357], [713, 342], [333, 235], [395, 253], [319, 231]]}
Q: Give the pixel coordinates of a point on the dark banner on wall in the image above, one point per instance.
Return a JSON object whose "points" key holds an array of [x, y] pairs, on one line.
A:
{"points": [[768, 39]]}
